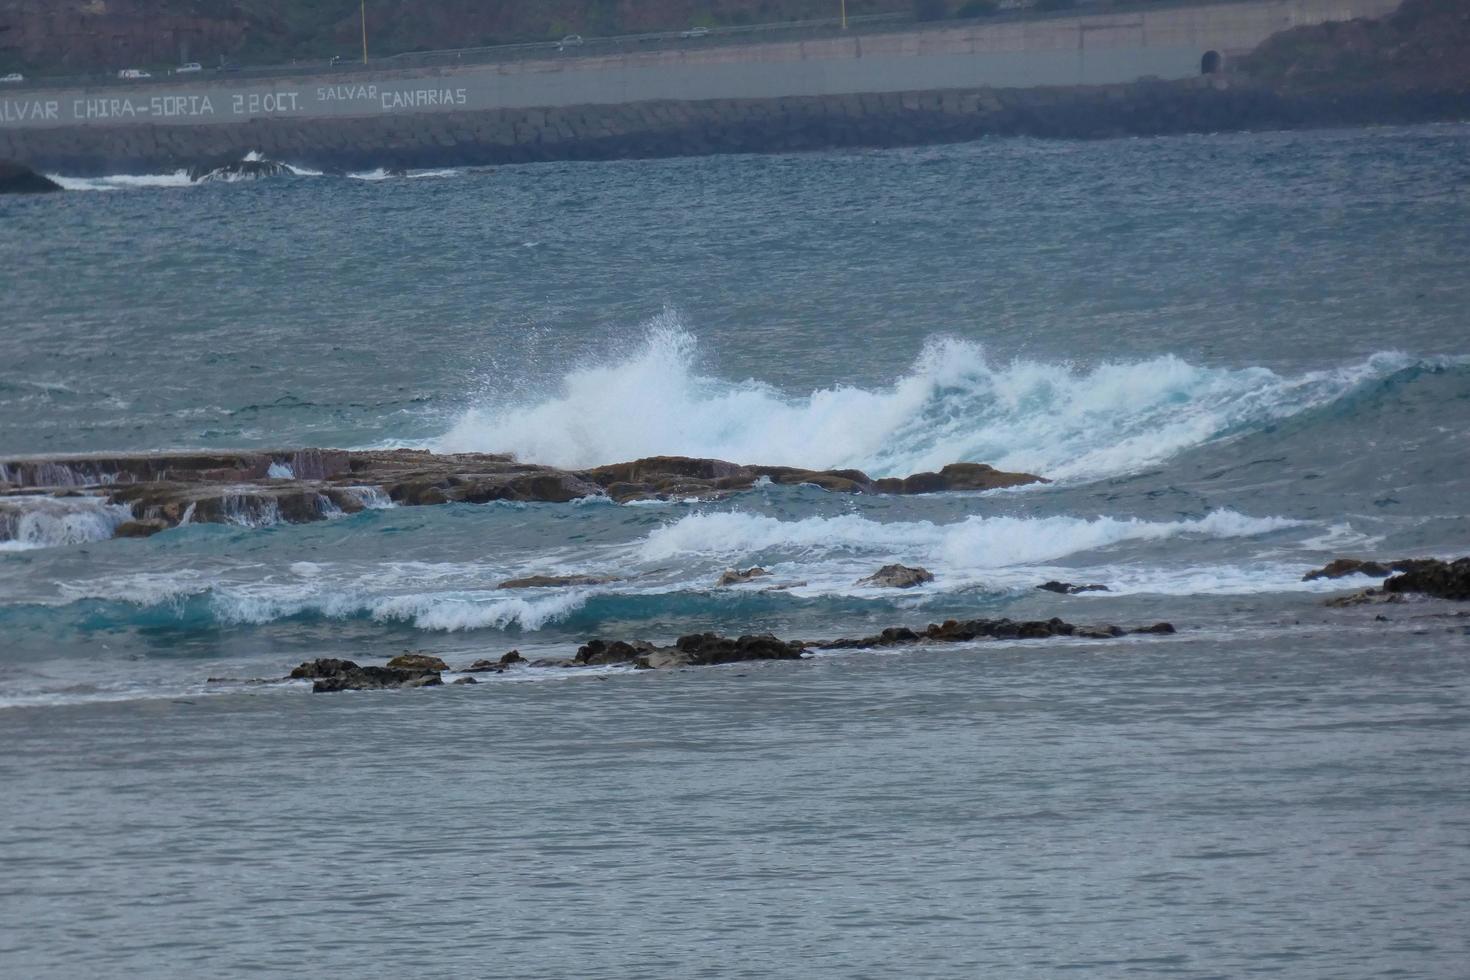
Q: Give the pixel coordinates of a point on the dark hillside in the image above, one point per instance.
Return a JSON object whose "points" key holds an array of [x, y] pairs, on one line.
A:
{"points": [[1424, 46]]}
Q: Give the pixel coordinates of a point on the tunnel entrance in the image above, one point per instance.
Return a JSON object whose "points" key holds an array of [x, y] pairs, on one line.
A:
{"points": [[1210, 64]]}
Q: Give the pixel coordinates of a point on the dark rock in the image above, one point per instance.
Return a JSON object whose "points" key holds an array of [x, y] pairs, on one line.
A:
{"points": [[325, 667], [735, 576], [963, 631], [957, 476], [17, 179], [709, 649], [376, 679], [1097, 632], [1443, 580], [418, 661], [597, 653], [1067, 588], [465, 680], [140, 529], [332, 675], [1341, 567], [1163, 629], [514, 657], [553, 581], [897, 577]]}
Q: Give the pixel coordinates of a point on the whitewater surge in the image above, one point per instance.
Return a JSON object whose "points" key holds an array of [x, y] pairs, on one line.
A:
{"points": [[31, 522], [1064, 421], [121, 182], [977, 542]]}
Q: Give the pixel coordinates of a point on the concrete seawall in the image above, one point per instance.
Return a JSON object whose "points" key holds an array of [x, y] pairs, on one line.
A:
{"points": [[880, 89]]}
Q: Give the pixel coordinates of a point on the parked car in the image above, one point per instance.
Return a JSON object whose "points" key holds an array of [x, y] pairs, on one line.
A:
{"points": [[133, 73], [696, 32], [570, 41], [188, 69], [12, 78]]}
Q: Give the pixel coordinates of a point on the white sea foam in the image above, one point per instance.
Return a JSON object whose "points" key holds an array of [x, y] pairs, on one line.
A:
{"points": [[975, 543], [118, 182], [954, 404], [27, 523]]}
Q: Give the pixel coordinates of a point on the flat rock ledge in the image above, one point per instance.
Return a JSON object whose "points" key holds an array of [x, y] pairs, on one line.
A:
{"points": [[164, 490], [329, 675]]}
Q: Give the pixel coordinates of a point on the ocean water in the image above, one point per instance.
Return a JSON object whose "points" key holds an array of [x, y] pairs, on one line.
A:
{"points": [[1235, 356]]}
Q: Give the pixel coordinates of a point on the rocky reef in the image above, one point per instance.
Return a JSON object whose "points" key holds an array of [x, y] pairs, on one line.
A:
{"points": [[413, 670], [164, 490]]}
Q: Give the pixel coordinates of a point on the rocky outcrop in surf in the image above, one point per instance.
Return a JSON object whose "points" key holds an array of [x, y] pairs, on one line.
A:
{"points": [[1343, 567], [164, 490], [898, 577], [248, 169], [1431, 577], [18, 179], [694, 650]]}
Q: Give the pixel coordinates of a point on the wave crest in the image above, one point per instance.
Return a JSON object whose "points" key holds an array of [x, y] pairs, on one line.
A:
{"points": [[1058, 419]]}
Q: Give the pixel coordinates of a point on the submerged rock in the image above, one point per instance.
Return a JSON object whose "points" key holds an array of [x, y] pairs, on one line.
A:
{"points": [[1362, 598], [18, 179], [1067, 588], [735, 576], [1342, 567], [1441, 579], [496, 666], [963, 631], [957, 476], [897, 577], [140, 529], [553, 581]]}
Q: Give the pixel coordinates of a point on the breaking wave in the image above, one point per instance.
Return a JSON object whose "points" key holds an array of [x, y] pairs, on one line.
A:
{"points": [[975, 542], [1062, 420]]}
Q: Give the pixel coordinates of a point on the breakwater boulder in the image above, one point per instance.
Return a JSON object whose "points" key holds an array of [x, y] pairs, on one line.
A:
{"points": [[18, 179]]}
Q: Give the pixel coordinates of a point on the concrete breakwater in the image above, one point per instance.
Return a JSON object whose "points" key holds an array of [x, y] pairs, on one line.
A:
{"points": [[667, 128], [949, 82]]}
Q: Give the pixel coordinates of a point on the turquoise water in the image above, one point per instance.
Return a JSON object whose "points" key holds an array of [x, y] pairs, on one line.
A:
{"points": [[1237, 356]]}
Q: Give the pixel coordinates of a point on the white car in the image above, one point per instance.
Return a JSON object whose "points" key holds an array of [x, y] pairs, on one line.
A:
{"points": [[696, 32], [188, 69], [13, 77], [133, 73], [570, 41]]}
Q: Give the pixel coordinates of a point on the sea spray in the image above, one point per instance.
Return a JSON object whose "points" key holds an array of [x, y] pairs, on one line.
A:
{"points": [[1065, 421]]}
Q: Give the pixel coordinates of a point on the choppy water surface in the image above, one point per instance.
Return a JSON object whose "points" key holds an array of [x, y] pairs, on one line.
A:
{"points": [[1236, 356]]}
